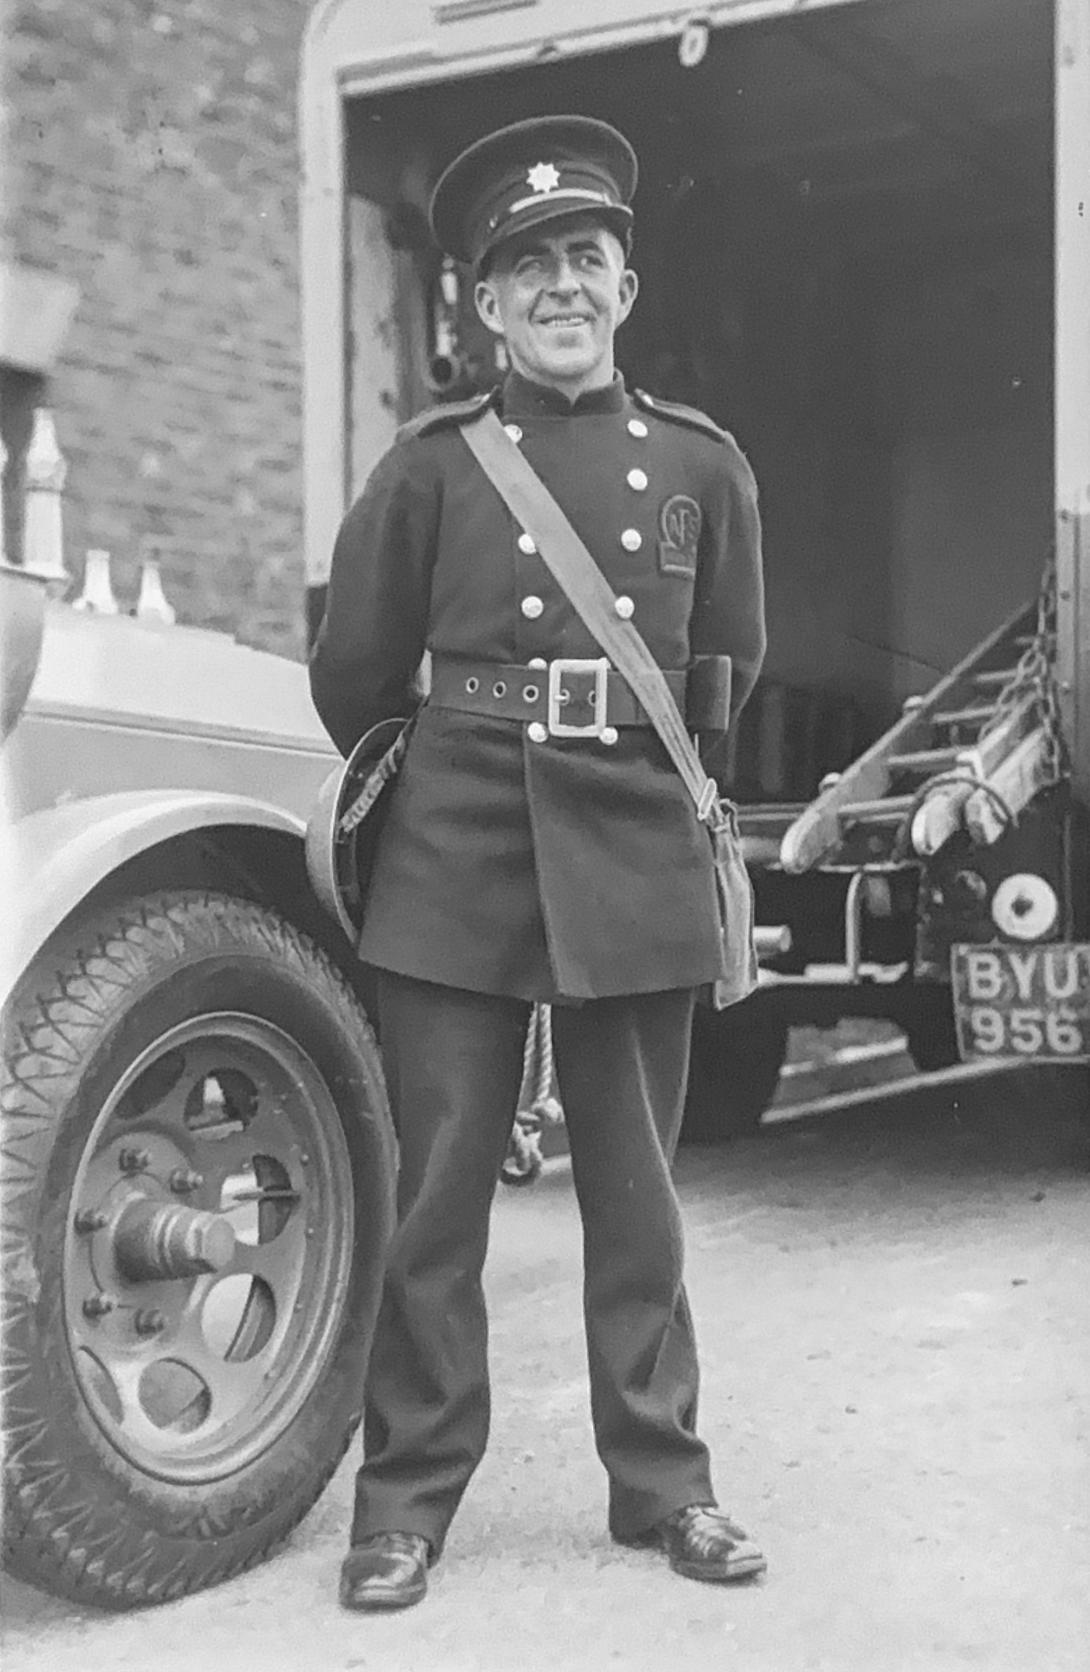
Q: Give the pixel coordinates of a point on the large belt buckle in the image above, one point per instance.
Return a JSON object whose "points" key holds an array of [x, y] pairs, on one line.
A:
{"points": [[558, 695]]}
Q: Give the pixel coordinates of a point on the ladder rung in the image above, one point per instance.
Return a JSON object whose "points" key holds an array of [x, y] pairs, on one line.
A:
{"points": [[925, 760], [997, 677], [769, 818], [890, 810], [964, 716]]}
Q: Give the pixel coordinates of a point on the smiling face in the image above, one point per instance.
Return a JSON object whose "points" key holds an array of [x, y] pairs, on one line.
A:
{"points": [[556, 294]]}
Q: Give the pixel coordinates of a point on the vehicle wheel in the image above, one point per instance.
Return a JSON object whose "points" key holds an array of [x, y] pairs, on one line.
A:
{"points": [[931, 1031], [197, 1190], [735, 1064]]}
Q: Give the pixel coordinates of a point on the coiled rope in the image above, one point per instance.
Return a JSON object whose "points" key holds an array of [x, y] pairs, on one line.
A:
{"points": [[537, 1068]]}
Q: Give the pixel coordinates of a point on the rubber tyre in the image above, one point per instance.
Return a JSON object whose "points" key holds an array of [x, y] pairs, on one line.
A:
{"points": [[80, 1519], [734, 1068]]}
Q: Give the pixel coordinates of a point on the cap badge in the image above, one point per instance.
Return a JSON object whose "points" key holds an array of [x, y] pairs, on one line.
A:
{"points": [[543, 177]]}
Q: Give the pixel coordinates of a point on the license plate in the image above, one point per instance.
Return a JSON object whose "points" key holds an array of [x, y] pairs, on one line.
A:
{"points": [[1023, 1001]]}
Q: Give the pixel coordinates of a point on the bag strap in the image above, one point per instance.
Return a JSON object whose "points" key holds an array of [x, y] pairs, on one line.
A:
{"points": [[575, 571]]}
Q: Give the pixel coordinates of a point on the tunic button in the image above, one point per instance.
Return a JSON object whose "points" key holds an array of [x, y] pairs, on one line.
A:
{"points": [[631, 539], [625, 607], [526, 544], [637, 479], [531, 607], [636, 426], [536, 732], [513, 431]]}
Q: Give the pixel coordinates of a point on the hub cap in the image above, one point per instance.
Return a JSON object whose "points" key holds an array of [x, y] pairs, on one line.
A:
{"points": [[209, 1247]]}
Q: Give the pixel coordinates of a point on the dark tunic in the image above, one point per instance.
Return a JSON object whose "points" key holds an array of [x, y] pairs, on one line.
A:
{"points": [[566, 868]]}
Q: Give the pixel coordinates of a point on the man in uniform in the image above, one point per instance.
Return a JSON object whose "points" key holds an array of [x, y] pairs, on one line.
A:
{"points": [[519, 865]]}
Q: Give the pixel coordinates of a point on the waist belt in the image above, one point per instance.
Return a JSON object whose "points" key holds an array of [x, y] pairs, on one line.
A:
{"points": [[570, 696]]}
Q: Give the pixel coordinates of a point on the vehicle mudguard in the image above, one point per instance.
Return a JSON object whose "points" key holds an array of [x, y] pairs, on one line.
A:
{"points": [[53, 858]]}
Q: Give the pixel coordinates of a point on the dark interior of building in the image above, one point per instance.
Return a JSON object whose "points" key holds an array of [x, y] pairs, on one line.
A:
{"points": [[844, 245]]}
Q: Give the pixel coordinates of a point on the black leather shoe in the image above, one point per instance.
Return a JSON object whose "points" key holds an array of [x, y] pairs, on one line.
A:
{"points": [[702, 1544], [387, 1570]]}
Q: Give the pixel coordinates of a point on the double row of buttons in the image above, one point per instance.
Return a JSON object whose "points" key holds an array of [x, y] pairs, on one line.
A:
{"points": [[635, 426], [631, 538], [532, 606], [537, 733]]}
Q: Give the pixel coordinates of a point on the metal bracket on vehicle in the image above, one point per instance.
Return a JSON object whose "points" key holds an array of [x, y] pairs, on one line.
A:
{"points": [[853, 925]]}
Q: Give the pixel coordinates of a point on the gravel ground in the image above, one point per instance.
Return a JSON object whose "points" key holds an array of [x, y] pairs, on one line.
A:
{"points": [[892, 1307]]}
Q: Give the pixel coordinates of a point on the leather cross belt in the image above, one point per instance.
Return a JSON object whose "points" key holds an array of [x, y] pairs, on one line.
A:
{"points": [[570, 696]]}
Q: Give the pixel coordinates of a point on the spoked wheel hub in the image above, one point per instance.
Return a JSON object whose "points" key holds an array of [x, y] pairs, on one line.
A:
{"points": [[209, 1246]]}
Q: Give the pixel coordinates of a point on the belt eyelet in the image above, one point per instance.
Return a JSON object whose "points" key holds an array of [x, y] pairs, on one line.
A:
{"points": [[499, 689], [473, 684], [530, 693]]}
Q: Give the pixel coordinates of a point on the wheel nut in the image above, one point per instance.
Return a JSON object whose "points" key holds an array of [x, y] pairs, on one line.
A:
{"points": [[148, 1320], [133, 1160], [213, 1243], [184, 1179], [89, 1219], [97, 1306]]}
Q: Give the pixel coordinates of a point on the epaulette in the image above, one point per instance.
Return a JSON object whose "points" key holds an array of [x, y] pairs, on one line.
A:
{"points": [[675, 413], [447, 416]]}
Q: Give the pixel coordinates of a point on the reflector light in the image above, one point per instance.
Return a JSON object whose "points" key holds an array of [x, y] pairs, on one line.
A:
{"points": [[1025, 906]]}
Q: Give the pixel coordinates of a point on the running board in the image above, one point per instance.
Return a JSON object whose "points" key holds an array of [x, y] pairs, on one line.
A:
{"points": [[831, 1104]]}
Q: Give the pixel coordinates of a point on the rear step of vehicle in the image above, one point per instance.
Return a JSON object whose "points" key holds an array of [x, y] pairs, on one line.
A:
{"points": [[920, 782]]}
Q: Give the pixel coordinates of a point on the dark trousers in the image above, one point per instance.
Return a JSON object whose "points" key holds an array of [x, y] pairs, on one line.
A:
{"points": [[453, 1062]]}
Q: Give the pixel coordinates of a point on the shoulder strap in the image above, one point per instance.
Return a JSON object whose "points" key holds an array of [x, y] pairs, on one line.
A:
{"points": [[588, 591], [447, 416], [674, 413]]}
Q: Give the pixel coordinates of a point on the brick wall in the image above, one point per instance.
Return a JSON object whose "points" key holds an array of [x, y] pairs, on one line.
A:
{"points": [[151, 157]]}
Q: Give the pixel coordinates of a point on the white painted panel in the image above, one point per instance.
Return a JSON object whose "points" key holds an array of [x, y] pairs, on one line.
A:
{"points": [[36, 309]]}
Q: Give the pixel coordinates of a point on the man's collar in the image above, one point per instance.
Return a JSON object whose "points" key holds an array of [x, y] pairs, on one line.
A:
{"points": [[524, 399]]}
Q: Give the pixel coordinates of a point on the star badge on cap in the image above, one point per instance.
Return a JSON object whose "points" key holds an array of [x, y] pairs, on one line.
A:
{"points": [[502, 184], [543, 177]]}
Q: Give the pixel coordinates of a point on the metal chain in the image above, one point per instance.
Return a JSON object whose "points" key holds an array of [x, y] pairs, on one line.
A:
{"points": [[1034, 673]]}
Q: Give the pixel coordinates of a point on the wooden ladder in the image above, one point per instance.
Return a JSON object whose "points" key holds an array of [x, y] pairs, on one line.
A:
{"points": [[879, 811]]}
